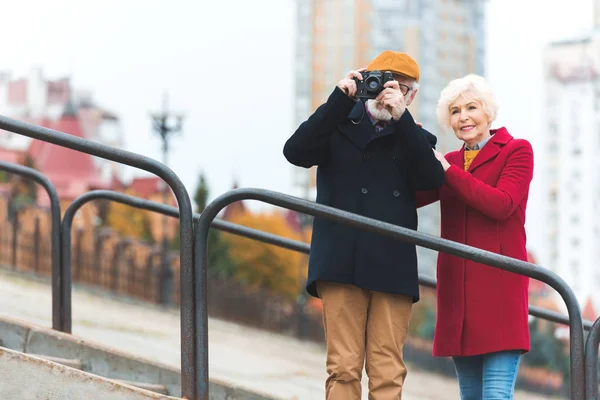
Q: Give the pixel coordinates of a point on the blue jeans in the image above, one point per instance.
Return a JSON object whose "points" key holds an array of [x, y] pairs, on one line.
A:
{"points": [[488, 376]]}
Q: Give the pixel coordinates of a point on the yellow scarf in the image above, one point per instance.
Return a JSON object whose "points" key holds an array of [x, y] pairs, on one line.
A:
{"points": [[469, 157]]}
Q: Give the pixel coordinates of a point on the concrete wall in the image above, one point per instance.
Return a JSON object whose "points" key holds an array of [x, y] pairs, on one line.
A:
{"points": [[30, 378], [104, 361]]}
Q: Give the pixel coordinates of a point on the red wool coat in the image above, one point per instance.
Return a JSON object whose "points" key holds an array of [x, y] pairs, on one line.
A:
{"points": [[482, 309]]}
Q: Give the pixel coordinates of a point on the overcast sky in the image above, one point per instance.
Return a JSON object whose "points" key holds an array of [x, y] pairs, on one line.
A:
{"points": [[229, 66]]}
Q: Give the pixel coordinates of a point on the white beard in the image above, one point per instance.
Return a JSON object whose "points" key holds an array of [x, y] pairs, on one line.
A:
{"points": [[381, 115]]}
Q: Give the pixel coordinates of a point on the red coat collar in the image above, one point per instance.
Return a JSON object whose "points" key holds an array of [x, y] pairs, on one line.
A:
{"points": [[500, 137]]}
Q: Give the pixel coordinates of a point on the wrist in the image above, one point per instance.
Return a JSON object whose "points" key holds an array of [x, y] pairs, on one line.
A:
{"points": [[397, 115]]}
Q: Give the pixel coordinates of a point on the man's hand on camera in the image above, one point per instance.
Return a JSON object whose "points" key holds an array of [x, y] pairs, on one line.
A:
{"points": [[348, 85], [392, 99]]}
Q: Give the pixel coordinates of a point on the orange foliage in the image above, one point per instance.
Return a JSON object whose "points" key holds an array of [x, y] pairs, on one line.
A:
{"points": [[266, 266], [128, 221]]}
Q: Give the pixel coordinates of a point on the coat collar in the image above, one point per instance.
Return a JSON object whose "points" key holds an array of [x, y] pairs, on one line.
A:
{"points": [[359, 129], [500, 137]]}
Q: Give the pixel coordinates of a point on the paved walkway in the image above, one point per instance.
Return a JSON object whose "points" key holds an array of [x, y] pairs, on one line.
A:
{"points": [[274, 364]]}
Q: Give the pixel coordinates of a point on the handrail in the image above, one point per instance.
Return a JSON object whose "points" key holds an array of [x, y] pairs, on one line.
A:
{"points": [[591, 361], [536, 311], [41, 179], [244, 231], [577, 379], [202, 331], [191, 380], [144, 204]]}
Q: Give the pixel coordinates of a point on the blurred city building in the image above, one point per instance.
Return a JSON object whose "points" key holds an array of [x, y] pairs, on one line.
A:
{"points": [[446, 37], [571, 168], [57, 105]]}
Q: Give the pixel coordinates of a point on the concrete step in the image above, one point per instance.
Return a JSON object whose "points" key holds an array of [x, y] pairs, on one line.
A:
{"points": [[73, 363], [67, 362], [59, 382], [153, 387]]}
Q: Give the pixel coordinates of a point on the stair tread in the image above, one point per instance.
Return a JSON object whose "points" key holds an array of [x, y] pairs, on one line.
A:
{"points": [[155, 387], [75, 363], [69, 362]]}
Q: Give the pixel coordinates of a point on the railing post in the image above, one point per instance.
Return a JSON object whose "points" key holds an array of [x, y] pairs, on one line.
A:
{"points": [[101, 236], [577, 377], [131, 283], [36, 245], [350, 219], [58, 316], [78, 263], [119, 251], [152, 286], [201, 254], [14, 243], [189, 386], [591, 362], [165, 278]]}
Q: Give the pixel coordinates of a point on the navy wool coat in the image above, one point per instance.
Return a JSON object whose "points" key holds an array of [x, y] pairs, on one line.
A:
{"points": [[372, 174]]}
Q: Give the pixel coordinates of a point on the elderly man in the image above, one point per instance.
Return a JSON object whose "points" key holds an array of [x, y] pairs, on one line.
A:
{"points": [[371, 158]]}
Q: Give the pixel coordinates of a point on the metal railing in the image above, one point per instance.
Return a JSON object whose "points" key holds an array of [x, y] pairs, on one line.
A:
{"points": [[67, 225], [591, 361], [79, 202], [57, 301], [239, 230], [236, 230], [577, 370], [191, 384], [536, 311], [194, 317]]}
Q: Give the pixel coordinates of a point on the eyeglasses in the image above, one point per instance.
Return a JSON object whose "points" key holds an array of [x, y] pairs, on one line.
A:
{"points": [[404, 89]]}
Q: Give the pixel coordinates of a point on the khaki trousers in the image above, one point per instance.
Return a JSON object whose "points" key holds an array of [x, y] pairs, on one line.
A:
{"points": [[363, 324]]}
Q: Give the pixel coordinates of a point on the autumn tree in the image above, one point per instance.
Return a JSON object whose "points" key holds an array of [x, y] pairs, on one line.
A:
{"points": [[266, 266], [201, 194], [23, 190], [129, 221], [219, 262]]}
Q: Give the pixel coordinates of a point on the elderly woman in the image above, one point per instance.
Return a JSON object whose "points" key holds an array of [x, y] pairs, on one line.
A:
{"points": [[482, 319]]}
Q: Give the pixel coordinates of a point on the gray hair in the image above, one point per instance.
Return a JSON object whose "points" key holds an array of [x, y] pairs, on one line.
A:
{"points": [[473, 87]]}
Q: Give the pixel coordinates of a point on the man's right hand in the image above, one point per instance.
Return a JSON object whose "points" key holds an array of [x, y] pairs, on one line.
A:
{"points": [[348, 85]]}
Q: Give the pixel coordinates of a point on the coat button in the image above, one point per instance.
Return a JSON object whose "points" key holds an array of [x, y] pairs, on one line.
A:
{"points": [[396, 193], [396, 159], [364, 190], [366, 156]]}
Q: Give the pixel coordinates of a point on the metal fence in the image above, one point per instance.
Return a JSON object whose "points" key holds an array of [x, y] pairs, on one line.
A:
{"points": [[577, 370], [193, 280], [191, 382], [57, 301], [591, 361]]}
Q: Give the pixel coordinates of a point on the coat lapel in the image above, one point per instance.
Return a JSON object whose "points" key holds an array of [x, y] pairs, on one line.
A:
{"points": [[500, 137], [359, 127], [458, 158], [388, 130]]}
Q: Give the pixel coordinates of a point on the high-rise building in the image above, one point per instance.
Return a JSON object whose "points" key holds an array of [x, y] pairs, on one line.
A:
{"points": [[446, 37], [570, 164]]}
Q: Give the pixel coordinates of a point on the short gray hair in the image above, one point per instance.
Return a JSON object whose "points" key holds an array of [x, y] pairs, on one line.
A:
{"points": [[473, 87]]}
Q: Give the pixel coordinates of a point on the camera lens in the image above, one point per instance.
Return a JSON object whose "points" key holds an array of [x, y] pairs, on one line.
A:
{"points": [[372, 83]]}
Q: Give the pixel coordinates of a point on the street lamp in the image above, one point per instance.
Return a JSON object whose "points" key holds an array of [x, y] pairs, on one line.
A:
{"points": [[165, 124]]}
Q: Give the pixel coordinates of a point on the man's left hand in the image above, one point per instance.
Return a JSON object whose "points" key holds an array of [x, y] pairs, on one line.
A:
{"points": [[441, 159], [392, 99]]}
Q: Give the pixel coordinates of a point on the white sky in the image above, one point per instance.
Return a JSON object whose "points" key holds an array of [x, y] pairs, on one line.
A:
{"points": [[229, 66]]}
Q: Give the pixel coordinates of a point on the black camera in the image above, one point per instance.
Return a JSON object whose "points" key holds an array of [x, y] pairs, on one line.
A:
{"points": [[372, 83]]}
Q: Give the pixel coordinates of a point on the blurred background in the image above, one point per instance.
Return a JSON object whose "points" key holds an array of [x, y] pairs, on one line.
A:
{"points": [[215, 88]]}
